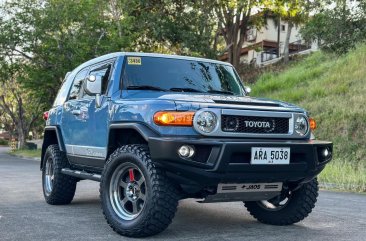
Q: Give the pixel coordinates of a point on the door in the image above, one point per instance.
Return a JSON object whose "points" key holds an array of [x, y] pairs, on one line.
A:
{"points": [[85, 127]]}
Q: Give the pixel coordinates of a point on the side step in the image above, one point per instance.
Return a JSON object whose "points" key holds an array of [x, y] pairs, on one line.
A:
{"points": [[81, 174]]}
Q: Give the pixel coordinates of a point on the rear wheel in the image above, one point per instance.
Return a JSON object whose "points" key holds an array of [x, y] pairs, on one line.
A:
{"points": [[58, 189], [137, 198], [288, 208]]}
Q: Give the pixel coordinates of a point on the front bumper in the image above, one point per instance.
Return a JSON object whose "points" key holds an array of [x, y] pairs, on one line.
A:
{"points": [[228, 160]]}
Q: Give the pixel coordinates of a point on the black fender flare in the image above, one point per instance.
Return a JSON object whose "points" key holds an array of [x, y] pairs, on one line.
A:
{"points": [[142, 129], [52, 135]]}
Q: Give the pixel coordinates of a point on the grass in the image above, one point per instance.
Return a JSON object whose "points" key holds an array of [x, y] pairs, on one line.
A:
{"points": [[340, 175], [333, 90], [27, 153]]}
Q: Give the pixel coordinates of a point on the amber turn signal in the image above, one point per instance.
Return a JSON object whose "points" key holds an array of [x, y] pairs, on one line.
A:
{"points": [[174, 118], [312, 123]]}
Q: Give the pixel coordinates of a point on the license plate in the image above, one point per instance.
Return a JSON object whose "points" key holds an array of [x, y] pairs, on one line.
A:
{"points": [[268, 156]]}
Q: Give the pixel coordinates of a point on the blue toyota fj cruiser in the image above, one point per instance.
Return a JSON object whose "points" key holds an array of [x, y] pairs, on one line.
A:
{"points": [[154, 129]]}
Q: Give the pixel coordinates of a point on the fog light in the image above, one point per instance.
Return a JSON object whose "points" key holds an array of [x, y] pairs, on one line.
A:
{"points": [[326, 153], [186, 151]]}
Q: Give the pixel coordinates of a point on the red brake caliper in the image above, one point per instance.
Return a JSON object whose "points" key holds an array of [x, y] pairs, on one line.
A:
{"points": [[132, 175]]}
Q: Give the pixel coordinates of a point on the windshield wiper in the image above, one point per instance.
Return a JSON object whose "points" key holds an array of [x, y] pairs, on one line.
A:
{"points": [[185, 90], [144, 87], [220, 92]]}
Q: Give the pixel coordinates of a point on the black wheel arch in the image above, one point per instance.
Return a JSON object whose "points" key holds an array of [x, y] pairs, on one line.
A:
{"points": [[121, 134], [52, 135]]}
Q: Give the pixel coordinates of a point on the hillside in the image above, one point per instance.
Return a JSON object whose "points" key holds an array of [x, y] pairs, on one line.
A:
{"points": [[333, 90]]}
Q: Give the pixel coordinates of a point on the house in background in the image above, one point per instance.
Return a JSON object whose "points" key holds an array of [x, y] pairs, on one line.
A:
{"points": [[5, 135], [261, 46]]}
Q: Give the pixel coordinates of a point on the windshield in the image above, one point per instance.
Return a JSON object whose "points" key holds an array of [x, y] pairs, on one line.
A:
{"points": [[169, 74]]}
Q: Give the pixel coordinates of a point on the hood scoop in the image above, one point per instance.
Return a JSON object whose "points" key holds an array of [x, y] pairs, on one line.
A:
{"points": [[230, 102]]}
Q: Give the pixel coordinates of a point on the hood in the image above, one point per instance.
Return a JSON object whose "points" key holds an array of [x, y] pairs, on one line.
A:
{"points": [[215, 100]]}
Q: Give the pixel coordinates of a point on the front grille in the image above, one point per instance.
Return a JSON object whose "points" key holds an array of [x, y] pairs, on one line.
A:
{"points": [[254, 124]]}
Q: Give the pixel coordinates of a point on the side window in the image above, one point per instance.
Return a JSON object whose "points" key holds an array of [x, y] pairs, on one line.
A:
{"points": [[103, 72], [77, 83], [62, 93]]}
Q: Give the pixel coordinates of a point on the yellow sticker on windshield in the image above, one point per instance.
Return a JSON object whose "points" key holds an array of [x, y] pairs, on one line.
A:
{"points": [[134, 60]]}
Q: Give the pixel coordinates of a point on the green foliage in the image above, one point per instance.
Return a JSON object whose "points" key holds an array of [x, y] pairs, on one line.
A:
{"points": [[19, 107], [3, 142], [55, 36], [338, 29], [333, 90], [295, 11], [181, 27], [46, 39]]}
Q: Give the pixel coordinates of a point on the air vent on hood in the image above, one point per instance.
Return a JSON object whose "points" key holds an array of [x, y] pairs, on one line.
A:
{"points": [[228, 102]]}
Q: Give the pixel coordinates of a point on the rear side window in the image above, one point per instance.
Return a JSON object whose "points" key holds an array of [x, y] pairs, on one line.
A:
{"points": [[62, 93], [77, 84]]}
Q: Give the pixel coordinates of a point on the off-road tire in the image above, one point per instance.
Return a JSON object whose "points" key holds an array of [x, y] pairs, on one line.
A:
{"points": [[64, 186], [299, 207], [161, 201]]}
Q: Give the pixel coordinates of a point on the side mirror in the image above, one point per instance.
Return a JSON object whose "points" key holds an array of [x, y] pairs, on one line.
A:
{"points": [[247, 89], [93, 86]]}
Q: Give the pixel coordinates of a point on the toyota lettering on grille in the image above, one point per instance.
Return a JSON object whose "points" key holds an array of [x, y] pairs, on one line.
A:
{"points": [[267, 126], [257, 124]]}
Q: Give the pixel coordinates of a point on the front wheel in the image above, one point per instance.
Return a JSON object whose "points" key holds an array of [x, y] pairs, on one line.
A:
{"points": [[137, 198], [288, 208]]}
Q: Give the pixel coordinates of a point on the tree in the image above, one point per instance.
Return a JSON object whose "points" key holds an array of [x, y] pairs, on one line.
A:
{"points": [[337, 29], [234, 18], [57, 35], [5, 122], [41, 40], [295, 12], [20, 109], [182, 27]]}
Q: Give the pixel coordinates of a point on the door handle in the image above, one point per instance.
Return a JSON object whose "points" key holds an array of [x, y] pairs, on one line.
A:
{"points": [[76, 112]]}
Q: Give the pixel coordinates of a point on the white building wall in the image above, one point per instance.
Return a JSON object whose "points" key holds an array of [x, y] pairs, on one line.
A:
{"points": [[269, 33]]}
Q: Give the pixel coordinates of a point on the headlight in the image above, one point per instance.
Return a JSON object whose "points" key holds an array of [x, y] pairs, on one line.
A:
{"points": [[206, 121], [301, 125]]}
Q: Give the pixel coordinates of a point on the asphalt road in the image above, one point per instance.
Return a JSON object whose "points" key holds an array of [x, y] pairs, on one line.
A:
{"points": [[25, 216]]}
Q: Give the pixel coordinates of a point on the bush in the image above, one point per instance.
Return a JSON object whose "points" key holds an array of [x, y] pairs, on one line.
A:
{"points": [[30, 146], [3, 142]]}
